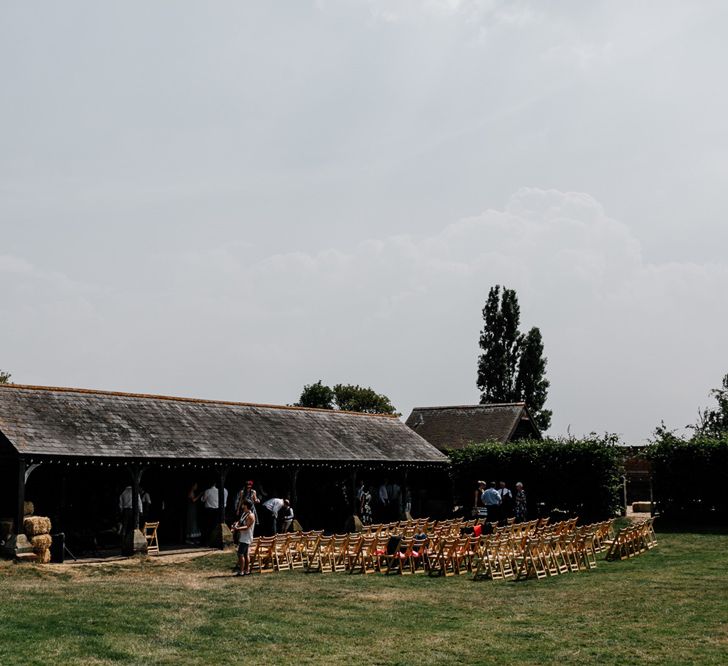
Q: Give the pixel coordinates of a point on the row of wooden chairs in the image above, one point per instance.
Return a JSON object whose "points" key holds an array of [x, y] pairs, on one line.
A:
{"points": [[537, 556], [443, 550], [632, 541]]}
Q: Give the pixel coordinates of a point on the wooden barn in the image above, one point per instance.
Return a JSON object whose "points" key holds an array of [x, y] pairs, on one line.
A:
{"points": [[71, 452], [456, 427]]}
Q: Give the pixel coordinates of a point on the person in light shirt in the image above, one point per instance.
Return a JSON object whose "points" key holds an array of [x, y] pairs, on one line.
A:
{"points": [[245, 527], [269, 513], [126, 507], [211, 501], [492, 500]]}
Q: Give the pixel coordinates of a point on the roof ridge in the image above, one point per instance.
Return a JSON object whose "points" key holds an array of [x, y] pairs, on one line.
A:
{"points": [[201, 401], [486, 405]]}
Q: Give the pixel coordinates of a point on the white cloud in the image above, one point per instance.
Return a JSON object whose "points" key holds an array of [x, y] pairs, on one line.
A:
{"points": [[629, 342]]}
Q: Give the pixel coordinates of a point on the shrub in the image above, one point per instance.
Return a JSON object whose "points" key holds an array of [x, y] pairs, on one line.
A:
{"points": [[690, 477], [580, 477]]}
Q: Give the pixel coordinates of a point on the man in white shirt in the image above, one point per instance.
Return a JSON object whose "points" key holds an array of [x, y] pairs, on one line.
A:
{"points": [[491, 499], [211, 501], [270, 510], [126, 507]]}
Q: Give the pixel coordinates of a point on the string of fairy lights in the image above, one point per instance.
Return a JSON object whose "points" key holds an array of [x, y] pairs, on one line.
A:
{"points": [[290, 465]]}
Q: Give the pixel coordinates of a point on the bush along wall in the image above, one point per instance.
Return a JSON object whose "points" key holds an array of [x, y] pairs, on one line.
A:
{"points": [[562, 477], [690, 478]]}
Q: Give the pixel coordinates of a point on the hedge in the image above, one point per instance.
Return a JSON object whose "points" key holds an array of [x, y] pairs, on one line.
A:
{"points": [[690, 477], [579, 477]]}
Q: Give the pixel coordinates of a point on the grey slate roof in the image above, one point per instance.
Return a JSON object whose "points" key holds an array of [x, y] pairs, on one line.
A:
{"points": [[457, 426], [60, 422]]}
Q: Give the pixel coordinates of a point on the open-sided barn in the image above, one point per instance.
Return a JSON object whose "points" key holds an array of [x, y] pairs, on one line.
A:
{"points": [[72, 451]]}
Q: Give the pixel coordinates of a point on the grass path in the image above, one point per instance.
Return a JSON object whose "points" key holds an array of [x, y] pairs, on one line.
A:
{"points": [[669, 606]]}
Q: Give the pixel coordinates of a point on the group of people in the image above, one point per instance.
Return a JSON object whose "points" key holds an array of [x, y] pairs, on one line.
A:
{"points": [[271, 516], [497, 503], [126, 509], [384, 504]]}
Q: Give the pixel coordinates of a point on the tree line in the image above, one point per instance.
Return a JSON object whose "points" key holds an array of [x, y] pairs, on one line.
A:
{"points": [[511, 368]]}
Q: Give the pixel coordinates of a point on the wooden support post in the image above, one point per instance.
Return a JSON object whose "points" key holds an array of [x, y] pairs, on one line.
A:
{"points": [[20, 506], [136, 475], [405, 511], [17, 544], [293, 496], [354, 501], [134, 540], [222, 475], [221, 534], [652, 498]]}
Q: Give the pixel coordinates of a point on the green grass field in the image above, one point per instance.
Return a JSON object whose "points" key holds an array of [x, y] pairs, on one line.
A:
{"points": [[668, 606]]}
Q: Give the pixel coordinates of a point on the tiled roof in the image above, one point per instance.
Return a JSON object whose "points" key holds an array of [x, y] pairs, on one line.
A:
{"points": [[44, 421], [454, 427]]}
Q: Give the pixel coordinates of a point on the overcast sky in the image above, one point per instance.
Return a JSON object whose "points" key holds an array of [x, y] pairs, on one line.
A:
{"points": [[231, 199]]}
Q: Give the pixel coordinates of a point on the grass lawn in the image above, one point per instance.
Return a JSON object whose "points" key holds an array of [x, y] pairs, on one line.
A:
{"points": [[668, 606]]}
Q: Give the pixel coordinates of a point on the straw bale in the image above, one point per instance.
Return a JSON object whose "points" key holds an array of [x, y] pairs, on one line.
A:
{"points": [[34, 525], [44, 557], [41, 542]]}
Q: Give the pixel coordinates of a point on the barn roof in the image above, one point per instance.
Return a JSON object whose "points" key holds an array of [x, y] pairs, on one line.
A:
{"points": [[62, 422], [457, 426]]}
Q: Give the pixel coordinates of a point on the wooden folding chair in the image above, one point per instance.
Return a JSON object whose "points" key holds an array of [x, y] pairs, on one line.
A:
{"points": [[532, 562], [264, 555], [281, 557], [150, 534]]}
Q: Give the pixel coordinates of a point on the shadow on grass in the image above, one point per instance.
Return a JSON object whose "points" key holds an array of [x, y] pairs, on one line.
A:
{"points": [[676, 527]]}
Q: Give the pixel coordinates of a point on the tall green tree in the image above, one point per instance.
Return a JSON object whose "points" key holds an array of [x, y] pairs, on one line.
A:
{"points": [[531, 383], [5, 377], [355, 398], [347, 397], [316, 395], [714, 422], [511, 367]]}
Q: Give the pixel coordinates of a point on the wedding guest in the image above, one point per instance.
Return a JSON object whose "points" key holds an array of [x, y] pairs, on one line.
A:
{"points": [[506, 500], [192, 534], [244, 527], [521, 508]]}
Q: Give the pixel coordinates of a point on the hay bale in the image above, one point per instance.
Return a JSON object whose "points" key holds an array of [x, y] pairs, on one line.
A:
{"points": [[41, 542], [44, 557], [34, 525]]}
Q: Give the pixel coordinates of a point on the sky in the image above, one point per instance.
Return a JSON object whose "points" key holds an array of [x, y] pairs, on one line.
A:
{"points": [[230, 200]]}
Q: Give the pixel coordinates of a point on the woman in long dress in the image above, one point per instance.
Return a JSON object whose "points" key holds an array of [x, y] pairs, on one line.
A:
{"points": [[520, 508], [365, 507], [193, 534]]}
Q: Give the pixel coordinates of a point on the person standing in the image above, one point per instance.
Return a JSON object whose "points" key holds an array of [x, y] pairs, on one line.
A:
{"points": [[244, 527], [521, 507], [211, 501], [506, 500], [126, 507], [479, 510], [365, 505], [247, 493], [146, 505], [192, 534], [394, 491], [383, 502], [491, 500]]}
